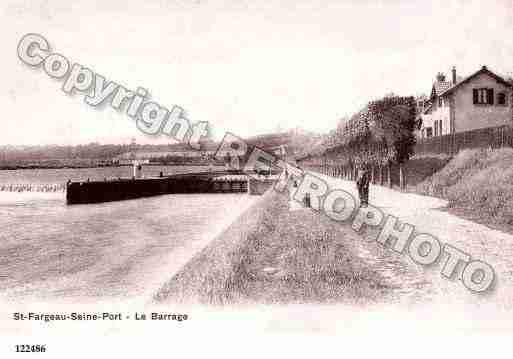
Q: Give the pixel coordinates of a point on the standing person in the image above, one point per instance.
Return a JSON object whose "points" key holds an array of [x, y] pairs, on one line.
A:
{"points": [[362, 182]]}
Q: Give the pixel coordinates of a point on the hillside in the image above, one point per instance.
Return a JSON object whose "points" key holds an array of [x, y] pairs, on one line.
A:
{"points": [[94, 154], [477, 184]]}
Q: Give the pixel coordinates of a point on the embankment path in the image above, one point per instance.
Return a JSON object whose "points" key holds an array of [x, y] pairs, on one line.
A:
{"points": [[427, 215]]}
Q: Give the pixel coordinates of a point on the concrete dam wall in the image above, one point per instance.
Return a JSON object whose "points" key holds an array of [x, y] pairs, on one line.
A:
{"points": [[130, 188]]}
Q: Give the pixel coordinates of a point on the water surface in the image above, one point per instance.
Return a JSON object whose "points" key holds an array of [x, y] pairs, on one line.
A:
{"points": [[115, 249]]}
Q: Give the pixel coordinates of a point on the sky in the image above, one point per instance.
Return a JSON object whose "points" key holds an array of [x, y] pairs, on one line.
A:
{"points": [[247, 67]]}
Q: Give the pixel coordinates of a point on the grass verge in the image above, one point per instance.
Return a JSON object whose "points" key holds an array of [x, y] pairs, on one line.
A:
{"points": [[478, 184], [272, 255]]}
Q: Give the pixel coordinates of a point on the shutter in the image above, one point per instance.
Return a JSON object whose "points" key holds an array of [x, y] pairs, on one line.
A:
{"points": [[476, 95], [490, 96]]}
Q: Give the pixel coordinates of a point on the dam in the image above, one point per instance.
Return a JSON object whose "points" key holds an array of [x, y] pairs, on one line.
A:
{"points": [[229, 181]]}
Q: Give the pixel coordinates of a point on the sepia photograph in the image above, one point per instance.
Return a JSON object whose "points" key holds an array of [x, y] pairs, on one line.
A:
{"points": [[278, 178]]}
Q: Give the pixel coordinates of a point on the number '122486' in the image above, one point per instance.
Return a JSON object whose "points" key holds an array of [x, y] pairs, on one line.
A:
{"points": [[25, 348]]}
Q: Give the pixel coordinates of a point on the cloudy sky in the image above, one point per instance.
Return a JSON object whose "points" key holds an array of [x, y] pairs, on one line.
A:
{"points": [[248, 67]]}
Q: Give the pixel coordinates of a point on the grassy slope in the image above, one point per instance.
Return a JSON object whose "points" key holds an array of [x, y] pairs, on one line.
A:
{"points": [[271, 255], [419, 168], [477, 183]]}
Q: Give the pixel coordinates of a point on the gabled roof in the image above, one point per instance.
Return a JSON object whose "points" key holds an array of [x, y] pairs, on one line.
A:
{"points": [[483, 70], [439, 87]]}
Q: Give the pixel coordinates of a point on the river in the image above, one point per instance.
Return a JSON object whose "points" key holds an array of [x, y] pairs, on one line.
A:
{"points": [[124, 249]]}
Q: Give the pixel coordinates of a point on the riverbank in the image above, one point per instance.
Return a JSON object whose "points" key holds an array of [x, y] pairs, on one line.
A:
{"points": [[272, 255]]}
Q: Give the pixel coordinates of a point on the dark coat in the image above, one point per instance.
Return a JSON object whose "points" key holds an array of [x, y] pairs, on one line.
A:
{"points": [[362, 179]]}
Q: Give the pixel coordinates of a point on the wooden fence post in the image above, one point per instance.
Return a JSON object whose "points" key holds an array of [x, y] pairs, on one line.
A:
{"points": [[402, 177], [389, 175]]}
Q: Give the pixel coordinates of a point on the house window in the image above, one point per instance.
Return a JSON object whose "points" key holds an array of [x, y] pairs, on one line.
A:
{"points": [[440, 130], [501, 98], [436, 128], [483, 96], [440, 102], [429, 132]]}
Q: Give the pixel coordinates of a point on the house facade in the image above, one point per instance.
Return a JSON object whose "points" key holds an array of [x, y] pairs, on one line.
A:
{"points": [[481, 100]]}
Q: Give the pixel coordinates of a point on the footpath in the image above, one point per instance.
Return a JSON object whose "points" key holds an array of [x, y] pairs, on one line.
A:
{"points": [[427, 215]]}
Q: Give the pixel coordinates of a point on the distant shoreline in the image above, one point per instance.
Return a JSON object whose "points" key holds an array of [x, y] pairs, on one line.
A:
{"points": [[54, 167]]}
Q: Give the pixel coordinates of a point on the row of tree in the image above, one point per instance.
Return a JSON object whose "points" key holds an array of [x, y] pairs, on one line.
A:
{"points": [[380, 135]]}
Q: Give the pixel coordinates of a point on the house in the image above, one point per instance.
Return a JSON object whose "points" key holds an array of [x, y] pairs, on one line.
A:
{"points": [[483, 99], [421, 103]]}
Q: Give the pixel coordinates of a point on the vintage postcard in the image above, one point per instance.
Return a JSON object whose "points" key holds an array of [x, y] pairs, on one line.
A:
{"points": [[293, 178]]}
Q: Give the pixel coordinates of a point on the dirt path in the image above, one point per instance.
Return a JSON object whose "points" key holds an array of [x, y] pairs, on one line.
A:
{"points": [[425, 214]]}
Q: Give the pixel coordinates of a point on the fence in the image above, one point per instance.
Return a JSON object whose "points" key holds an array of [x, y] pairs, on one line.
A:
{"points": [[417, 169], [495, 137], [30, 187]]}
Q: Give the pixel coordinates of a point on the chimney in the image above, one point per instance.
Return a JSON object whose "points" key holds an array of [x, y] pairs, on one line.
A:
{"points": [[454, 75]]}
